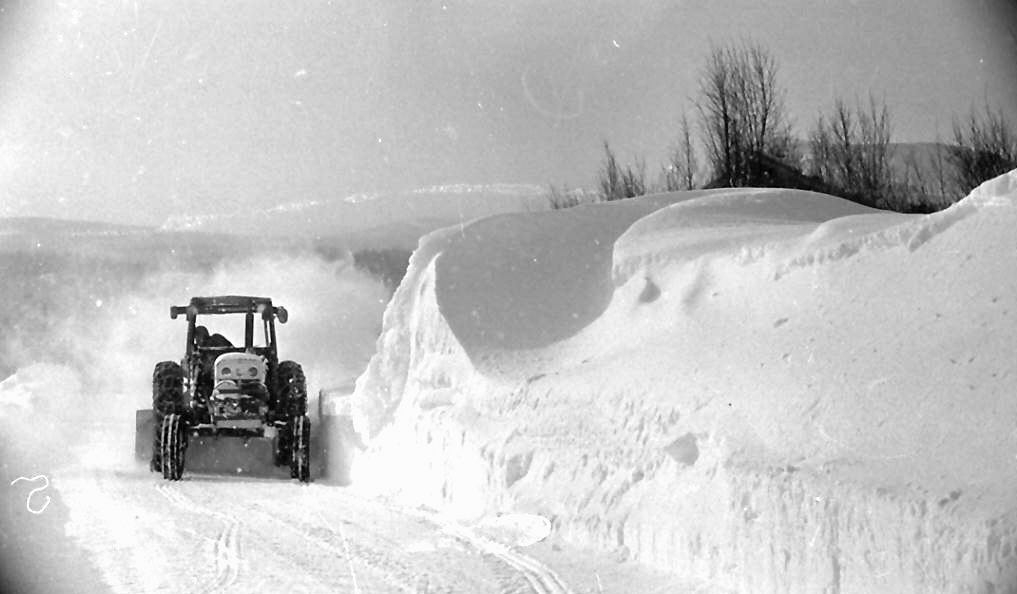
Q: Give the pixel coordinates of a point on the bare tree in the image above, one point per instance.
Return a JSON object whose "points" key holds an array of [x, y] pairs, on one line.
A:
{"points": [[742, 113], [875, 173], [926, 179], [609, 178], [634, 179], [915, 182], [850, 151], [616, 183], [823, 161], [716, 111], [985, 146], [680, 171], [941, 170], [562, 198]]}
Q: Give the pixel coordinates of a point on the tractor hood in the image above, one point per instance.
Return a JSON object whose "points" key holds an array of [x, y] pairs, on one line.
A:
{"points": [[237, 367]]}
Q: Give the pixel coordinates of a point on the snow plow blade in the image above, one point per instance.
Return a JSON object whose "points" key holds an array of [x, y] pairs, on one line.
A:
{"points": [[224, 455], [144, 426]]}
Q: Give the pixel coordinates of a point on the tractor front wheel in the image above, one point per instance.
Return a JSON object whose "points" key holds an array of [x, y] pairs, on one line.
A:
{"points": [[300, 448], [173, 441], [167, 398]]}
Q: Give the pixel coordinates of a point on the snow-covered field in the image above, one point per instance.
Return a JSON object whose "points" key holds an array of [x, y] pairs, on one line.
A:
{"points": [[726, 390], [767, 390]]}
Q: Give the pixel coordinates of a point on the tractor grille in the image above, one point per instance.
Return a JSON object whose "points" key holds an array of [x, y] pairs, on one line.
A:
{"points": [[238, 407]]}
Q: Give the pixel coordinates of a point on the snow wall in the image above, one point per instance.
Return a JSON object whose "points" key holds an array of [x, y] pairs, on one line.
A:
{"points": [[766, 390]]}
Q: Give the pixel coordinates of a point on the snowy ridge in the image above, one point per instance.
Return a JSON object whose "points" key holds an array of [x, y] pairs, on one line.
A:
{"points": [[745, 224], [767, 390]]}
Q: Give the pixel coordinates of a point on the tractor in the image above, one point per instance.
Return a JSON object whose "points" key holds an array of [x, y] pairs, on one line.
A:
{"points": [[222, 390]]}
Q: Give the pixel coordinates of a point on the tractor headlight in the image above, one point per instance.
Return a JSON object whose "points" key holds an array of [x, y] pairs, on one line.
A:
{"points": [[226, 371], [253, 371]]}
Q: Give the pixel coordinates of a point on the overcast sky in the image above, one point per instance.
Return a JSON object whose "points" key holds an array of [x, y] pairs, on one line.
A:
{"points": [[130, 111]]}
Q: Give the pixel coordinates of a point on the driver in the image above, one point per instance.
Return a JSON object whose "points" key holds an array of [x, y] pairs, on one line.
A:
{"points": [[201, 336], [218, 340], [203, 340], [205, 357]]}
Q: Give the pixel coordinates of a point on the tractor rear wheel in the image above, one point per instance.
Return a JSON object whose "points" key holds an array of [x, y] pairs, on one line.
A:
{"points": [[300, 447], [167, 398], [173, 440]]}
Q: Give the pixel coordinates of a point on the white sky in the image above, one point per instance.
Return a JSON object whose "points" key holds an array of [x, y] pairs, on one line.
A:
{"points": [[131, 111]]}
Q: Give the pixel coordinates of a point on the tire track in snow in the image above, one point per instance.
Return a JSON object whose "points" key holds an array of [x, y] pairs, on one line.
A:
{"points": [[304, 571], [228, 558], [227, 554], [346, 548], [542, 579], [391, 571], [254, 535]]}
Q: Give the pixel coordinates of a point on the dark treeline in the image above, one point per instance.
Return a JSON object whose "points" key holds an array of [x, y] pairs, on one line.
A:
{"points": [[741, 135]]}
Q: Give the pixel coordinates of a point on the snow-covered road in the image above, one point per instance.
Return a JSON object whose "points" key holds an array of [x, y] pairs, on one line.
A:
{"points": [[223, 534]]}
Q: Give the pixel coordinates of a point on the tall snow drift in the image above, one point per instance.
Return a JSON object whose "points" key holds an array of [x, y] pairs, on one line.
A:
{"points": [[771, 390]]}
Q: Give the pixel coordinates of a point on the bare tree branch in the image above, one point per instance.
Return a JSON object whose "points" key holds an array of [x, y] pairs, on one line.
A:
{"points": [[985, 147], [741, 111]]}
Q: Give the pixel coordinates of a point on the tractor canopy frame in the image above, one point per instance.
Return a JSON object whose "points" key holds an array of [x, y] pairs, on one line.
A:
{"points": [[234, 304], [229, 304]]}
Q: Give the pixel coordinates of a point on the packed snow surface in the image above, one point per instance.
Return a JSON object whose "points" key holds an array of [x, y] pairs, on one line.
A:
{"points": [[771, 390]]}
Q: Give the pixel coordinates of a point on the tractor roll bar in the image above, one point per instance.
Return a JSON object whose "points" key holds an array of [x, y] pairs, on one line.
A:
{"points": [[230, 305]]}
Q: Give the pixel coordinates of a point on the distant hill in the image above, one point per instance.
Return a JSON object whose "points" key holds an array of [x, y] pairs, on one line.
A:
{"points": [[44, 225], [373, 221], [352, 223]]}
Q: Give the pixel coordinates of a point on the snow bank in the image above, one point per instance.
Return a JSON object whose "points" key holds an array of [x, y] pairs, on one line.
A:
{"points": [[769, 390]]}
